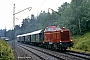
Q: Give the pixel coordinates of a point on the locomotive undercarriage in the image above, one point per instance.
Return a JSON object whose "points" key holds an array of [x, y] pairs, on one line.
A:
{"points": [[58, 46]]}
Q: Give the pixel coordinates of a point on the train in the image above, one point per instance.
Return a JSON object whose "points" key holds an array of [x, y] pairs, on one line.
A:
{"points": [[5, 38], [52, 37]]}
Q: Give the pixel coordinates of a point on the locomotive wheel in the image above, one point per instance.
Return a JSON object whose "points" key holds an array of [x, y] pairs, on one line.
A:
{"points": [[60, 49], [46, 46], [52, 47], [55, 46], [49, 46], [65, 49]]}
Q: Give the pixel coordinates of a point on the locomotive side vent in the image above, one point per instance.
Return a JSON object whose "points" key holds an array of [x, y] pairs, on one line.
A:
{"points": [[65, 35]]}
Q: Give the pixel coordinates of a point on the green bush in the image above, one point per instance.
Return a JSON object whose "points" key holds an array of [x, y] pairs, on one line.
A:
{"points": [[6, 52], [81, 46], [82, 42]]}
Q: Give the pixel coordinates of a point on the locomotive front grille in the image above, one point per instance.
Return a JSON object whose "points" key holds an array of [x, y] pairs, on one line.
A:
{"points": [[65, 35]]}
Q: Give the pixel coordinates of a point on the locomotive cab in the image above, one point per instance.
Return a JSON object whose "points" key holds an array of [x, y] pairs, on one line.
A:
{"points": [[49, 33]]}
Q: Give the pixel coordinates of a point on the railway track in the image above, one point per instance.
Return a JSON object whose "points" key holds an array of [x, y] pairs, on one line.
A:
{"points": [[61, 55], [42, 55], [78, 54], [21, 54]]}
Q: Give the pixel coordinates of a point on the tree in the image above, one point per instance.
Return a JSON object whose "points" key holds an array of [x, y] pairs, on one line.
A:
{"points": [[80, 11]]}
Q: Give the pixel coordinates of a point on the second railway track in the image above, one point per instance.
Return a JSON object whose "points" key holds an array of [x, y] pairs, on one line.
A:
{"points": [[78, 54]]}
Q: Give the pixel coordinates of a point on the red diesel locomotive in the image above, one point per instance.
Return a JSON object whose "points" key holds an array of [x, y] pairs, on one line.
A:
{"points": [[53, 37], [57, 38]]}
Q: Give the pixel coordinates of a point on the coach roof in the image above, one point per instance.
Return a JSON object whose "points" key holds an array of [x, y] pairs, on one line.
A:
{"points": [[32, 33]]}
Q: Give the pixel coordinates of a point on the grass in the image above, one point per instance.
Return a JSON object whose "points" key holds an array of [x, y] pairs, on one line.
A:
{"points": [[6, 52], [82, 42]]}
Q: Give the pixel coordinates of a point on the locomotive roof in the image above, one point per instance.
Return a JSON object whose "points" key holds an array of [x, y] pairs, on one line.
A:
{"points": [[32, 33]]}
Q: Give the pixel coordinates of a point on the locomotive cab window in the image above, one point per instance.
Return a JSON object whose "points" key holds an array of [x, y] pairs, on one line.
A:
{"points": [[58, 28], [49, 29]]}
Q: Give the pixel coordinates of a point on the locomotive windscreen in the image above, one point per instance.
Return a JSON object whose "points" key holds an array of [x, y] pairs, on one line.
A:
{"points": [[65, 35]]}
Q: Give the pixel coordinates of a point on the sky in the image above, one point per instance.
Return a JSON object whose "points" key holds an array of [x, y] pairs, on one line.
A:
{"points": [[6, 10]]}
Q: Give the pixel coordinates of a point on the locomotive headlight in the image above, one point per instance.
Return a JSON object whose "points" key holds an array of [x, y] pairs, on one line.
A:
{"points": [[60, 41], [71, 40], [61, 30]]}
